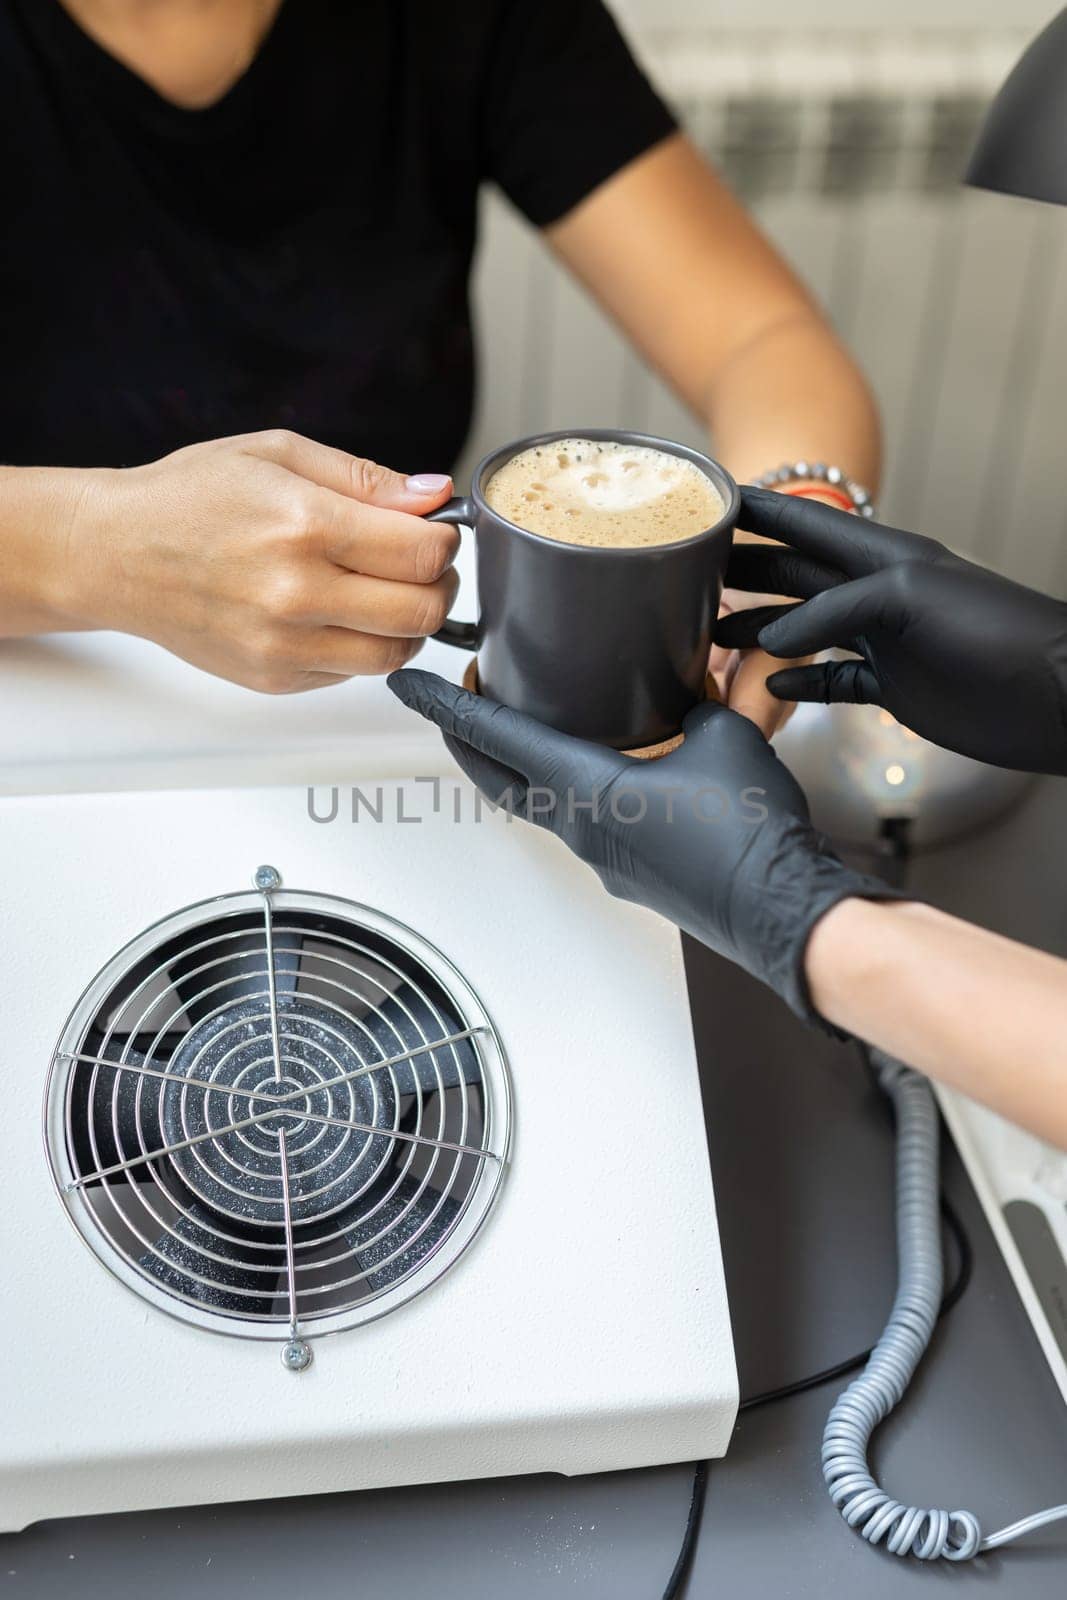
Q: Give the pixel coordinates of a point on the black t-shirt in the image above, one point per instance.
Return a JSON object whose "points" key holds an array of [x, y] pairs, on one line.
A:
{"points": [[297, 254]]}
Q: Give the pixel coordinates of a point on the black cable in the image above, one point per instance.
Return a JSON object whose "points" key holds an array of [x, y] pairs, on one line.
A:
{"points": [[953, 1294], [692, 1528], [965, 1266]]}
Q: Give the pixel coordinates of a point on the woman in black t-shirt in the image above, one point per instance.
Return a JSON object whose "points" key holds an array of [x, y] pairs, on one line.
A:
{"points": [[237, 244]]}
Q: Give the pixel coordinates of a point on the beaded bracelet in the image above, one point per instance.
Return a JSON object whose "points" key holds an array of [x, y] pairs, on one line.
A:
{"points": [[816, 473]]}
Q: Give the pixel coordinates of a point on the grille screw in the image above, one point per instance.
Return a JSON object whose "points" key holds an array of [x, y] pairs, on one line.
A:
{"points": [[267, 878], [296, 1355]]}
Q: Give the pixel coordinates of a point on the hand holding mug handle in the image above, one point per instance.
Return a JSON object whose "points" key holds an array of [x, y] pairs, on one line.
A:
{"points": [[464, 635]]}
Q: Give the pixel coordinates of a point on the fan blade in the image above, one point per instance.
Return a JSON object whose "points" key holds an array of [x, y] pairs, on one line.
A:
{"points": [[426, 1207], [238, 971], [106, 1130], [393, 1029], [178, 1255]]}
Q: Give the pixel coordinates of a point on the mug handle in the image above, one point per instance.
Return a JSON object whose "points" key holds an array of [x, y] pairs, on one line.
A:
{"points": [[464, 635]]}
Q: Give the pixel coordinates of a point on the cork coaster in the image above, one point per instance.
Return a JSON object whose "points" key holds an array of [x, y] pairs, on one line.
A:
{"points": [[648, 752]]}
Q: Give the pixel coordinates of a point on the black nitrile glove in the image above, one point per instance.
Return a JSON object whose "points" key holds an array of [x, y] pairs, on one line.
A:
{"points": [[714, 836], [968, 659]]}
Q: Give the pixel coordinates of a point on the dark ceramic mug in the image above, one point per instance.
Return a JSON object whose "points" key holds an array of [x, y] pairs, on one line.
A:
{"points": [[605, 642]]}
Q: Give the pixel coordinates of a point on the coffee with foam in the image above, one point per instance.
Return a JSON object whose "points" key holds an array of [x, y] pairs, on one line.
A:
{"points": [[604, 492]]}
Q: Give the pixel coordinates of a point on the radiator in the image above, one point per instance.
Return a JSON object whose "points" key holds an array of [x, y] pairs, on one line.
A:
{"points": [[849, 151]]}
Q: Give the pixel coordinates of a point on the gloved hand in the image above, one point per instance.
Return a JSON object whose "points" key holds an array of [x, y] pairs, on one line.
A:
{"points": [[968, 659], [714, 836]]}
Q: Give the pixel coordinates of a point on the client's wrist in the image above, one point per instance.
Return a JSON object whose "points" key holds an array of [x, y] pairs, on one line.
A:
{"points": [[808, 489], [87, 576], [44, 515], [830, 484]]}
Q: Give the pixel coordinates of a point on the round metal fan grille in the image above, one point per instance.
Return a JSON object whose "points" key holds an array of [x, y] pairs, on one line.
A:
{"points": [[278, 1114]]}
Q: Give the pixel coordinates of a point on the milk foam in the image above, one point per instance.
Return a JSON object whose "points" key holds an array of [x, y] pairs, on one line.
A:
{"points": [[604, 492]]}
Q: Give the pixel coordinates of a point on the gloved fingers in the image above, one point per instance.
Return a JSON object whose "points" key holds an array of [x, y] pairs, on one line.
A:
{"points": [[739, 630], [710, 726], [829, 683], [538, 754], [831, 619], [500, 784], [775, 569], [839, 538]]}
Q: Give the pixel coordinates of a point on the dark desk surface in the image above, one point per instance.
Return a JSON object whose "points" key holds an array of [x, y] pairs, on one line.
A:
{"points": [[802, 1155]]}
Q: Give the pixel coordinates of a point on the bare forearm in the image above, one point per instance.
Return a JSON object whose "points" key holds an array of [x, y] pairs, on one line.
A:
{"points": [[39, 511], [674, 257], [793, 393], [964, 1006]]}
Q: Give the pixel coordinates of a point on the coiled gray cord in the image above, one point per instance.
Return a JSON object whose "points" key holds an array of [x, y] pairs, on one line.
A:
{"points": [[868, 1400]]}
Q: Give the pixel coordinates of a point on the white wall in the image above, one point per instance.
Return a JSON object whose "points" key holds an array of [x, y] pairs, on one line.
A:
{"points": [[645, 15]]}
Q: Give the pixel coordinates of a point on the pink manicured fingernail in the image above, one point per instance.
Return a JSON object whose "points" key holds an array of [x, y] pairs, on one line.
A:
{"points": [[427, 482]]}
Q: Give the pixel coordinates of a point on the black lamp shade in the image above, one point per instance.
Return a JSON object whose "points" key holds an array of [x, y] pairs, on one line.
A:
{"points": [[1022, 147]]}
